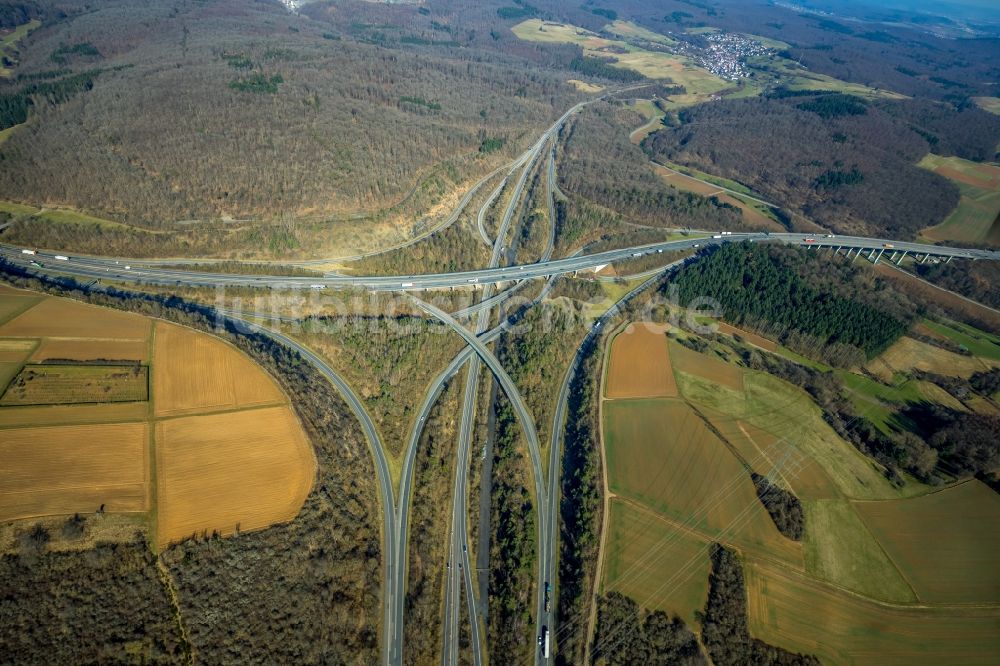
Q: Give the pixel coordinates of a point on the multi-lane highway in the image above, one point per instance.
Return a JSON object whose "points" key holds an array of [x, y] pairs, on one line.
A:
{"points": [[458, 541], [103, 268]]}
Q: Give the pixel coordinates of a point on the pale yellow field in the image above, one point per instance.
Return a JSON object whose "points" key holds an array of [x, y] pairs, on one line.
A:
{"points": [[991, 104], [640, 364], [908, 354], [67, 469], [90, 350], [60, 317], [229, 472], [193, 372], [653, 64], [583, 86], [14, 350], [110, 412]]}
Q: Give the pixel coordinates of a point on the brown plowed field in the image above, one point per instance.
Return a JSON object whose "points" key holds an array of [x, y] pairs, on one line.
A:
{"points": [[224, 472], [194, 372], [640, 364], [69, 469], [752, 338], [249, 466]]}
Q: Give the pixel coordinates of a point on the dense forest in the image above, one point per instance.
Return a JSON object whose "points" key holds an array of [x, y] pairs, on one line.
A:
{"points": [[251, 112], [306, 591], [756, 289], [627, 634], [843, 162], [782, 505], [512, 544], [580, 507], [75, 607], [314, 101]]}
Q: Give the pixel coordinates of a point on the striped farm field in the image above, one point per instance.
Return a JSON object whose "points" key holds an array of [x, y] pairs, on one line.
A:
{"points": [[108, 412], [640, 363], [230, 472], [212, 428], [195, 372], [841, 550], [792, 611], [947, 543], [768, 453], [68, 469], [60, 317], [661, 455], [789, 414], [656, 562], [705, 366], [92, 350]]}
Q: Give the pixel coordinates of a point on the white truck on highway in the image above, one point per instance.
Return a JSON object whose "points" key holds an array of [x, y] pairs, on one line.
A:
{"points": [[545, 642], [27, 251], [404, 285], [61, 257]]}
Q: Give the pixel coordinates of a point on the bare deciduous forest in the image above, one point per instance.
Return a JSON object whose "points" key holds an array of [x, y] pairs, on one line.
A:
{"points": [[852, 172], [336, 127]]}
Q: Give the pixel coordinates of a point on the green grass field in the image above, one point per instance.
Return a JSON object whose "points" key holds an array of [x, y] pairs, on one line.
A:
{"points": [[839, 549], [661, 455], [5, 134], [709, 178], [58, 384], [979, 343], [946, 544], [860, 586], [974, 220], [655, 562], [787, 412], [878, 402], [800, 614]]}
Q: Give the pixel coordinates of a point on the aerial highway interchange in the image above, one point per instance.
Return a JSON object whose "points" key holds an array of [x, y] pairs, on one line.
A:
{"points": [[395, 506]]}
